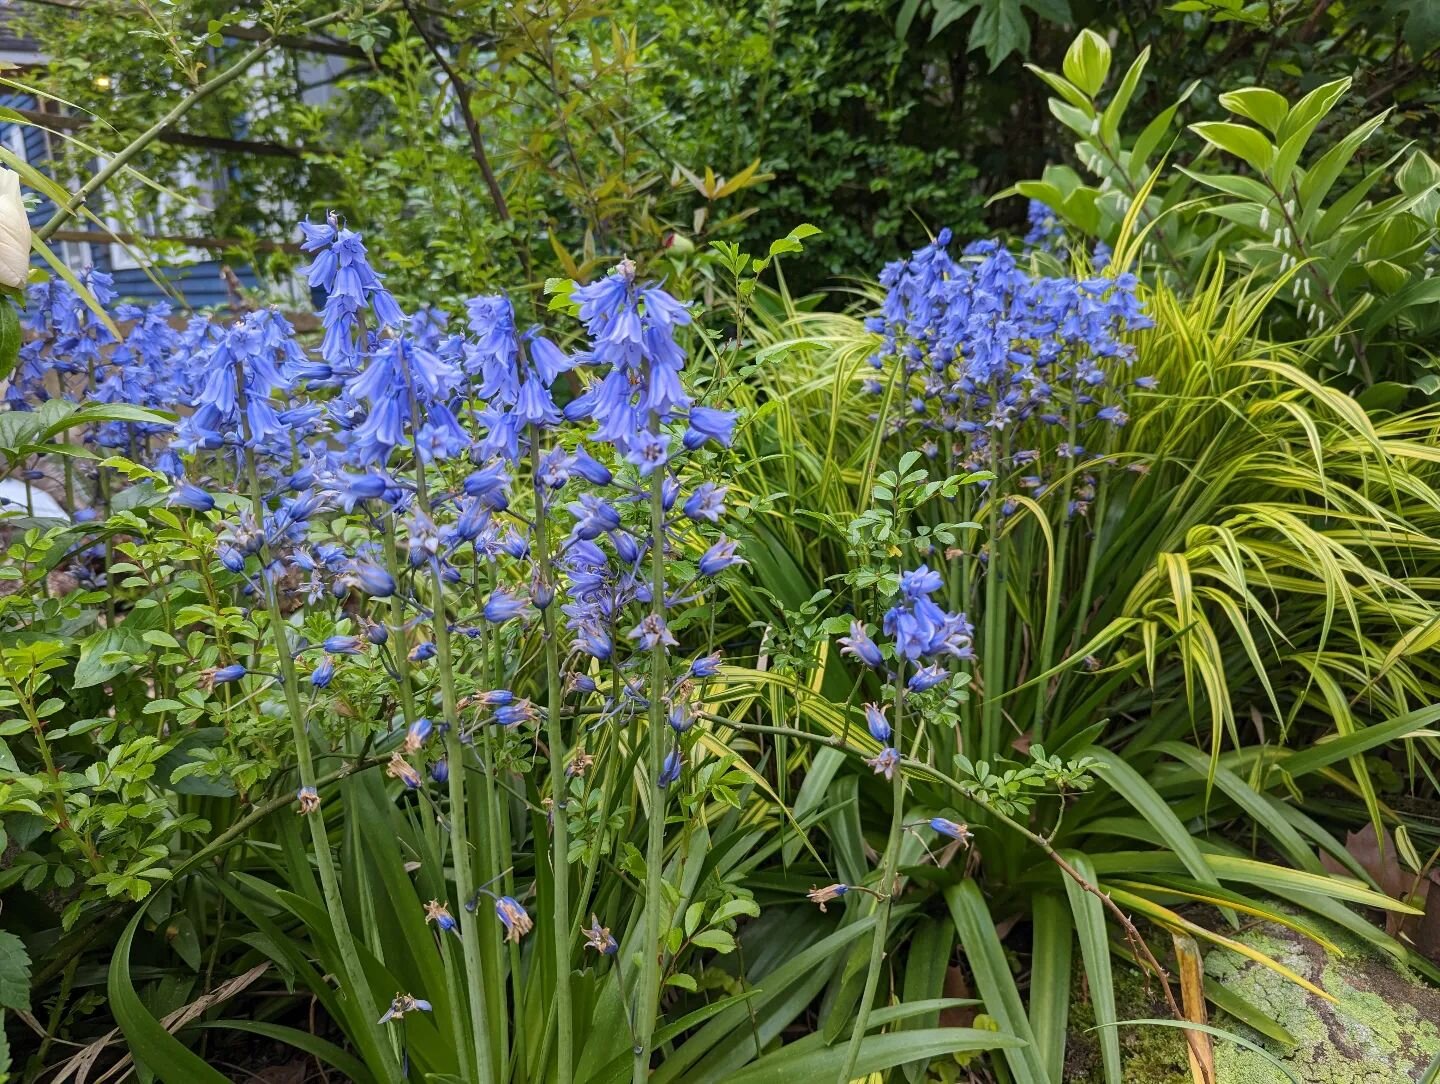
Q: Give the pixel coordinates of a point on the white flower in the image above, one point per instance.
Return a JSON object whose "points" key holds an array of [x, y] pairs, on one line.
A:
{"points": [[14, 232]]}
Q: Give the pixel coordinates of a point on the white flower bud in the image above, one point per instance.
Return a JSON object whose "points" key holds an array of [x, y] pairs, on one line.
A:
{"points": [[14, 232]]}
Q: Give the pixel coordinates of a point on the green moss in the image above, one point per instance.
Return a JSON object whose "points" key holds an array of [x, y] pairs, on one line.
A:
{"points": [[1150, 1055]]}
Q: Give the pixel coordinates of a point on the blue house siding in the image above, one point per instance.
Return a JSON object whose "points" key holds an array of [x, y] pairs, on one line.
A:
{"points": [[198, 284], [36, 149]]}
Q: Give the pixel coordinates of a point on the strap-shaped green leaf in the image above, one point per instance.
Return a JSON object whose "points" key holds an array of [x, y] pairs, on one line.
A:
{"points": [[150, 1044]]}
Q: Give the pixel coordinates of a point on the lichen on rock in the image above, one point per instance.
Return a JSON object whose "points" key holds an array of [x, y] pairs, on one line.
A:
{"points": [[1383, 1029]]}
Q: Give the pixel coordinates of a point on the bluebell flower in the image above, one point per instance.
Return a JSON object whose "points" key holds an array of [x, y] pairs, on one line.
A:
{"points": [[649, 451], [400, 768], [494, 353], [719, 557], [438, 913], [885, 762], [322, 675], [417, 734], [535, 405], [226, 674], [509, 715], [342, 269], [547, 360], [589, 468], [488, 484], [190, 496], [859, 645], [553, 470], [577, 682], [440, 770], [422, 652], [600, 939], [707, 502], [514, 918], [652, 632], [402, 1004], [707, 423], [503, 605], [950, 828], [927, 677], [593, 517], [1112, 414], [920, 583], [671, 769], [372, 579], [828, 894], [707, 666], [876, 723], [342, 645], [681, 718]]}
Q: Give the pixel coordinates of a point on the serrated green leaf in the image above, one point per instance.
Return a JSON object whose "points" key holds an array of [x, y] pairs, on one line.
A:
{"points": [[14, 973]]}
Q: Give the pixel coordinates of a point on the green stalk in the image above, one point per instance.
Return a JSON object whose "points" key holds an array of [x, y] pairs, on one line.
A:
{"points": [[496, 859], [887, 887], [351, 971], [459, 812], [501, 865], [397, 622], [1052, 595], [1088, 587], [965, 602], [491, 856], [655, 842], [993, 649], [559, 833]]}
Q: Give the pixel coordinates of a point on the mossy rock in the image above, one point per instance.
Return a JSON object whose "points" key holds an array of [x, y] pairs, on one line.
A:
{"points": [[1383, 1029]]}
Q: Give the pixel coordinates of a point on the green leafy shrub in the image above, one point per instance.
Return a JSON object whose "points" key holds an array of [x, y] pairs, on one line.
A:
{"points": [[1360, 232]]}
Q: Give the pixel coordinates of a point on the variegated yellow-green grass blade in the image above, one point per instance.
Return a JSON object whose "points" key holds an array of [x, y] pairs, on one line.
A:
{"points": [[1174, 921]]}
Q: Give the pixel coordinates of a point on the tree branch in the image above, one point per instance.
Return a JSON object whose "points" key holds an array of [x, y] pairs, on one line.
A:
{"points": [[67, 210], [472, 126]]}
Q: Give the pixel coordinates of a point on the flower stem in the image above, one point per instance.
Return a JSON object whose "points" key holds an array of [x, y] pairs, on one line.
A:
{"points": [[1054, 587], [353, 975], [993, 647], [397, 630], [655, 843], [459, 810], [554, 736], [885, 902]]}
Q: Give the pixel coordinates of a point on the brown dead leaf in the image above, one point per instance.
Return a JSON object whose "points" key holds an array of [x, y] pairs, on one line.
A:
{"points": [[80, 1066], [1398, 882], [957, 985]]}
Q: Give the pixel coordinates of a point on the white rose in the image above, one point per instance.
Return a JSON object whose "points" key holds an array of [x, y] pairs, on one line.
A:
{"points": [[14, 232]]}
